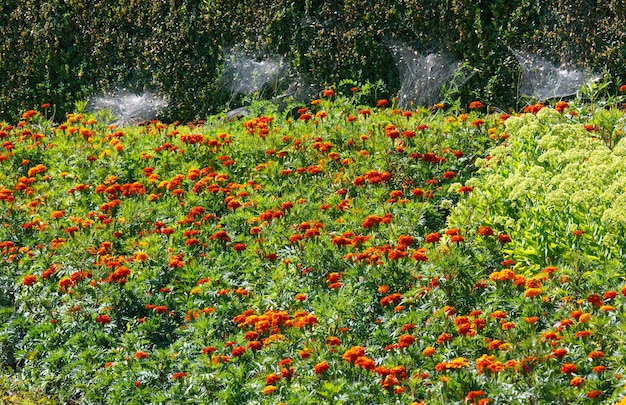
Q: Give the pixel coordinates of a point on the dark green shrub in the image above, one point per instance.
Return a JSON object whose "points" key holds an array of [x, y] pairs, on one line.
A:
{"points": [[62, 52]]}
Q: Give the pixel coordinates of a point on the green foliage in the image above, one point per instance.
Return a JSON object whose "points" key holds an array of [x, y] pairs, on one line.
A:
{"points": [[14, 392], [60, 52]]}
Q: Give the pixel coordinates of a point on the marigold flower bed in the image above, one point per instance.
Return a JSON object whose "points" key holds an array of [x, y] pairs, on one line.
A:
{"points": [[343, 254]]}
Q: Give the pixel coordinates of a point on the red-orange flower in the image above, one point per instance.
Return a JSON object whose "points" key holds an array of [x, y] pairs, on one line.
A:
{"points": [[320, 368], [473, 395], [238, 247], [457, 239], [272, 379], [596, 354], [103, 319], [270, 389], [179, 375], [568, 368], [238, 351], [353, 353], [429, 351], [576, 381], [29, 280], [406, 340], [141, 355], [504, 238], [594, 394]]}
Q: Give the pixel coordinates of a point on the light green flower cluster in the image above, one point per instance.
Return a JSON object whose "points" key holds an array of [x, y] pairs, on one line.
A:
{"points": [[552, 178]]}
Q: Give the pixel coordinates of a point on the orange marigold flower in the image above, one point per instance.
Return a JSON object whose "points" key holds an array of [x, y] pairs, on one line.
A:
{"points": [[57, 214], [473, 395], [365, 363], [272, 379], [405, 240], [238, 351], [353, 353], [305, 353], [420, 255], [457, 239], [508, 325], [208, 350], [596, 354], [533, 109], [444, 337], [429, 351], [558, 353], [599, 369], [532, 292], [141, 355], [561, 105], [576, 381], [29, 280], [255, 345], [458, 362], [238, 247], [508, 262], [333, 341], [251, 335], [270, 389], [594, 394], [389, 381], [595, 300], [29, 114], [485, 231], [406, 340], [504, 238], [568, 368], [583, 333], [321, 368], [103, 319], [436, 237], [475, 105]]}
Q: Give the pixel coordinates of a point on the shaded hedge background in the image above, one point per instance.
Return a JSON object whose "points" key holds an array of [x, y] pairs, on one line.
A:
{"points": [[64, 51]]}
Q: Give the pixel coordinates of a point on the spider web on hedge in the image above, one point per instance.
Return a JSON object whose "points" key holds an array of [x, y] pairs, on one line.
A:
{"points": [[245, 74], [424, 76], [542, 79], [128, 108]]}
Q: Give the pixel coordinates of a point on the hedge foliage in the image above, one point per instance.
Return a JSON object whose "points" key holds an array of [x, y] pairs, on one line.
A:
{"points": [[63, 51]]}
